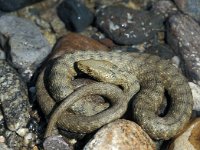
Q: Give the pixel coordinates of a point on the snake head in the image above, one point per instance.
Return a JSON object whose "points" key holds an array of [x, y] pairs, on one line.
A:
{"points": [[106, 71]]}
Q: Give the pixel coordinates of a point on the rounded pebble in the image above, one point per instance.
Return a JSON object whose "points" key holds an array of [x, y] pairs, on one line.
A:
{"points": [[120, 134], [189, 139]]}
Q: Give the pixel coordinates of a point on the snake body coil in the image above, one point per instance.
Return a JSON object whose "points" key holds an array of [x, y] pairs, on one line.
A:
{"points": [[129, 70]]}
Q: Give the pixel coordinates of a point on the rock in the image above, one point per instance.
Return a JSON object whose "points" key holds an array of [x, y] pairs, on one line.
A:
{"points": [[120, 134], [189, 7], [2, 54], [196, 95], [2, 123], [28, 47], [164, 7], [127, 26], [13, 140], [56, 142], [162, 50], [14, 98], [188, 139], [73, 41], [12, 5], [3, 146], [183, 36], [75, 15]]}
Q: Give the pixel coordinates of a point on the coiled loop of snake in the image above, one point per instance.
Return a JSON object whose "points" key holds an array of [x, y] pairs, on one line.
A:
{"points": [[154, 76]]}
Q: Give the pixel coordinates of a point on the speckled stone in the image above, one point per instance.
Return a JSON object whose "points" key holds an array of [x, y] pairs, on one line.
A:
{"points": [[189, 139], [196, 95], [28, 47], [165, 7], [190, 7], [127, 26], [120, 134], [56, 143], [183, 36], [14, 98], [2, 123]]}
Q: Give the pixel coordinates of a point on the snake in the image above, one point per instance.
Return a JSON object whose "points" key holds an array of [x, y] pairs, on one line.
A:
{"points": [[122, 76]]}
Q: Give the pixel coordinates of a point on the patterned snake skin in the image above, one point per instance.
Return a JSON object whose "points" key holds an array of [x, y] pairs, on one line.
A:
{"points": [[133, 72]]}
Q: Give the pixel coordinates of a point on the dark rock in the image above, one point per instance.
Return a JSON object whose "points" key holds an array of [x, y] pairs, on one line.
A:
{"points": [[56, 143], [127, 26], [183, 36], [164, 51], [12, 5], [164, 7], [14, 98], [189, 7], [26, 46], [75, 15]]}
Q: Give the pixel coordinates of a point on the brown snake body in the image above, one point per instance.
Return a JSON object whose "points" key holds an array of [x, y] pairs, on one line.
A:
{"points": [[128, 70]]}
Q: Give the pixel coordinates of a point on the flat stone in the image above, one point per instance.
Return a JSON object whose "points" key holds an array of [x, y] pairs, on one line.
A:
{"points": [[120, 134], [183, 36], [189, 138], [28, 48], [75, 15], [127, 26], [14, 98], [190, 7], [11, 5]]}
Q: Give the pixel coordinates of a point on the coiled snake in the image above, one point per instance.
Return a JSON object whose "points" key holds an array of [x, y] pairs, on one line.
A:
{"points": [[121, 76]]}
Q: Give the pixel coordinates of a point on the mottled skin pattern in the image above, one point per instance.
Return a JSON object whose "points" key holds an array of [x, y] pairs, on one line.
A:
{"points": [[153, 74]]}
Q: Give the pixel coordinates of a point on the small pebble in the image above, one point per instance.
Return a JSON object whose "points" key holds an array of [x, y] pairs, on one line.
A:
{"points": [[189, 139], [120, 135], [56, 143], [75, 15]]}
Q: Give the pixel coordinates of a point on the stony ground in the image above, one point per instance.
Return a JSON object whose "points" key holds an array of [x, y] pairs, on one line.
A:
{"points": [[32, 32]]}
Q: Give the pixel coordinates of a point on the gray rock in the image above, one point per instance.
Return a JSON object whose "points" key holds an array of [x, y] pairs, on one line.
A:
{"points": [[127, 26], [3, 146], [28, 47], [56, 143], [2, 126], [183, 36], [2, 54], [190, 7], [196, 95], [14, 98]]}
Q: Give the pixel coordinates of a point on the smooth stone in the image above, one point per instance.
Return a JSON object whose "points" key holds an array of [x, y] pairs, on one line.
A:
{"points": [[28, 47], [3, 146], [189, 139], [183, 36], [196, 95], [73, 41], [120, 134], [190, 7], [75, 15], [12, 5], [56, 143], [127, 26], [14, 98], [2, 123]]}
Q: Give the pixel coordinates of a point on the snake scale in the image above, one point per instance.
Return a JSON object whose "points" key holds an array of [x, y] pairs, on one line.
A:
{"points": [[121, 75]]}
